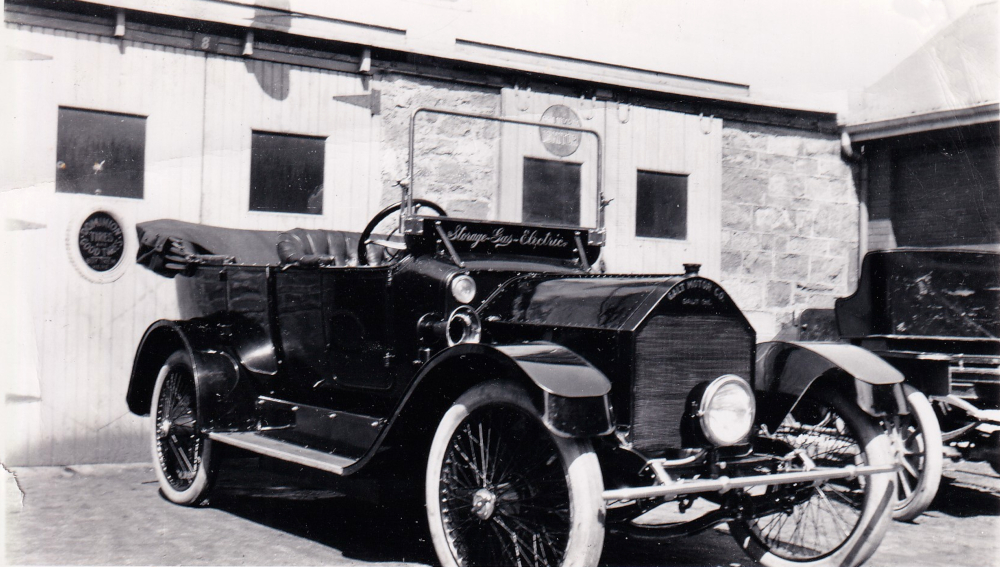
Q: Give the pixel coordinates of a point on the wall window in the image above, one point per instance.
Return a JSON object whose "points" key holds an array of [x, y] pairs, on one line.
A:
{"points": [[551, 192], [100, 153], [661, 205], [286, 173]]}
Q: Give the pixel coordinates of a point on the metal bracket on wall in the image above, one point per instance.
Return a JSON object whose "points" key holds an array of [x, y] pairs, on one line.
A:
{"points": [[372, 101]]}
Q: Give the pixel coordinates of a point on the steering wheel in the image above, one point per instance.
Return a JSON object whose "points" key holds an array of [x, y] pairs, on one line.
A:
{"points": [[391, 247]]}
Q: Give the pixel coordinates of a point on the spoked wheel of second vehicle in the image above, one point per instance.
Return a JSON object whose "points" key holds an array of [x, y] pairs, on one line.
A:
{"points": [[503, 490], [917, 439], [827, 523], [181, 453]]}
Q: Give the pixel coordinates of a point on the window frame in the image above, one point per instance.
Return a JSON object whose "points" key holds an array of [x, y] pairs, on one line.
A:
{"points": [[687, 206], [579, 189], [321, 139], [139, 155]]}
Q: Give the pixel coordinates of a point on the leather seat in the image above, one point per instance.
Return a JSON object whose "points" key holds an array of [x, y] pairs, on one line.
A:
{"points": [[310, 247]]}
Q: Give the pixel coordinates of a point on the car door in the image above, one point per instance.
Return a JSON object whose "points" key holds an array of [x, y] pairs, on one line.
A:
{"points": [[298, 306], [358, 328], [335, 334]]}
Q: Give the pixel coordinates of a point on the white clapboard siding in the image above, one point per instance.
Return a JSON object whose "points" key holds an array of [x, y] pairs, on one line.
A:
{"points": [[65, 402], [67, 405], [638, 138], [648, 139], [248, 95], [519, 142]]}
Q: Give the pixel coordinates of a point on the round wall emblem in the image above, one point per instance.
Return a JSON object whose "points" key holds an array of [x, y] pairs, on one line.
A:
{"points": [[560, 142], [101, 242]]}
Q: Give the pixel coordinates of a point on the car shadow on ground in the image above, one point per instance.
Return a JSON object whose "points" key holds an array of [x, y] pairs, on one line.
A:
{"points": [[360, 530], [395, 532], [964, 500], [357, 529]]}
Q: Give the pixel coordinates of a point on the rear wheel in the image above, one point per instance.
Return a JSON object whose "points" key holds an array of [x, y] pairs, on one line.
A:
{"points": [[182, 455], [917, 437], [503, 490], [836, 522]]}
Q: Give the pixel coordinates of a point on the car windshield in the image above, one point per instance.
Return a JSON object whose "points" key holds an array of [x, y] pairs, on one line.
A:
{"points": [[483, 168]]}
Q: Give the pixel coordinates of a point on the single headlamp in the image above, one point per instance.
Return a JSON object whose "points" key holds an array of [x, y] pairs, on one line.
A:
{"points": [[463, 288], [726, 411]]}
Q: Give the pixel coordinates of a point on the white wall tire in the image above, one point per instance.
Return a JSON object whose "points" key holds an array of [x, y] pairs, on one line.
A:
{"points": [[849, 517], [182, 455], [500, 486], [917, 437]]}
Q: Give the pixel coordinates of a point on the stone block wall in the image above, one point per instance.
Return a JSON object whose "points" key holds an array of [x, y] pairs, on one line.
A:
{"points": [[455, 157], [789, 224]]}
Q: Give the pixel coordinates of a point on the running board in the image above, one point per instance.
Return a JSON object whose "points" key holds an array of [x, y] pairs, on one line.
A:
{"points": [[284, 451]]}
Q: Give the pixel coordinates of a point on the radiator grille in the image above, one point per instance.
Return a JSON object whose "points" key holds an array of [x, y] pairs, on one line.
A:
{"points": [[673, 355]]}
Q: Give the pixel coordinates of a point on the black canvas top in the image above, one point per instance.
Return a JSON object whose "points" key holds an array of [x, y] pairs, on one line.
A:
{"points": [[167, 246]]}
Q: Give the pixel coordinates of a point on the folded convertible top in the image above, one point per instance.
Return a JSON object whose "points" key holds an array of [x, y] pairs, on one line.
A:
{"points": [[169, 247]]}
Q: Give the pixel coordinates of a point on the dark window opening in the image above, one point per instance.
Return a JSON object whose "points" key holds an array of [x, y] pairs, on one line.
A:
{"points": [[286, 173], [551, 192], [661, 205], [100, 153]]}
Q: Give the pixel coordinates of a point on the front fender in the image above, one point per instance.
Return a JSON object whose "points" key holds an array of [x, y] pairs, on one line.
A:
{"points": [[786, 370], [572, 394]]}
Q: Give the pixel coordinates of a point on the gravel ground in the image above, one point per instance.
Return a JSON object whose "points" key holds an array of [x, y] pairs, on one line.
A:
{"points": [[113, 515]]}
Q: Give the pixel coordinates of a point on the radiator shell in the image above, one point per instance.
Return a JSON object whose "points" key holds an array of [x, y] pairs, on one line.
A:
{"points": [[674, 352]]}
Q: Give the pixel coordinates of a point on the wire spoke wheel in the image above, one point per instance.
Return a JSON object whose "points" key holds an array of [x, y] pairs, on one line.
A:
{"points": [[178, 443], [835, 522], [814, 519], [504, 496], [502, 490], [180, 451]]}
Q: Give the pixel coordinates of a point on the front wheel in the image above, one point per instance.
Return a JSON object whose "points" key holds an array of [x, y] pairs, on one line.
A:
{"points": [[501, 489], [918, 443], [820, 524], [182, 455]]}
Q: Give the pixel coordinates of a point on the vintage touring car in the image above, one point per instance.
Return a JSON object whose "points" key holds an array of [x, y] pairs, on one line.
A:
{"points": [[472, 353], [934, 314]]}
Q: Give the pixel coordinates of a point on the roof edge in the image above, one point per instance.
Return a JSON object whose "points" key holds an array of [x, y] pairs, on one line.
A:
{"points": [[940, 120], [247, 14]]}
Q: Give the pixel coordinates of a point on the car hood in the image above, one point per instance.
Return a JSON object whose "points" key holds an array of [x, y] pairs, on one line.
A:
{"points": [[619, 303]]}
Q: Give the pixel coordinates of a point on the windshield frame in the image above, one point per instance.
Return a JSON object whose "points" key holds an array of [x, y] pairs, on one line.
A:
{"points": [[596, 234]]}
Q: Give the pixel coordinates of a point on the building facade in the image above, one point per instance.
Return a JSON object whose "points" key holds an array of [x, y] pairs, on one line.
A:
{"points": [[201, 110], [927, 142]]}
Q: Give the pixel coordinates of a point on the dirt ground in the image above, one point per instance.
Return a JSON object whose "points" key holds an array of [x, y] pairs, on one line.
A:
{"points": [[113, 515]]}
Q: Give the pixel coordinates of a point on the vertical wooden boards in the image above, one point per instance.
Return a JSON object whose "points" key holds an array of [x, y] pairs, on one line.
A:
{"points": [[636, 139], [249, 95], [647, 139], [79, 326], [520, 142]]}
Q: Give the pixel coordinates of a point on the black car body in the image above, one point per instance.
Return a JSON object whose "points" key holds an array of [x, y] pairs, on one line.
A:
{"points": [[934, 314], [534, 403]]}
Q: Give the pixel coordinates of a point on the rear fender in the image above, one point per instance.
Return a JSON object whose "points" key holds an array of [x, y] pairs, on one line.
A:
{"points": [[225, 396], [571, 395], [787, 370]]}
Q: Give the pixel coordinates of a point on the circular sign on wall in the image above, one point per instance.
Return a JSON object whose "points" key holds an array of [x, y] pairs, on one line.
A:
{"points": [[101, 241], [560, 142], [97, 246]]}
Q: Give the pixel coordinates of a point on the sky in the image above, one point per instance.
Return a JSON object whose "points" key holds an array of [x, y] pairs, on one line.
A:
{"points": [[805, 52]]}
